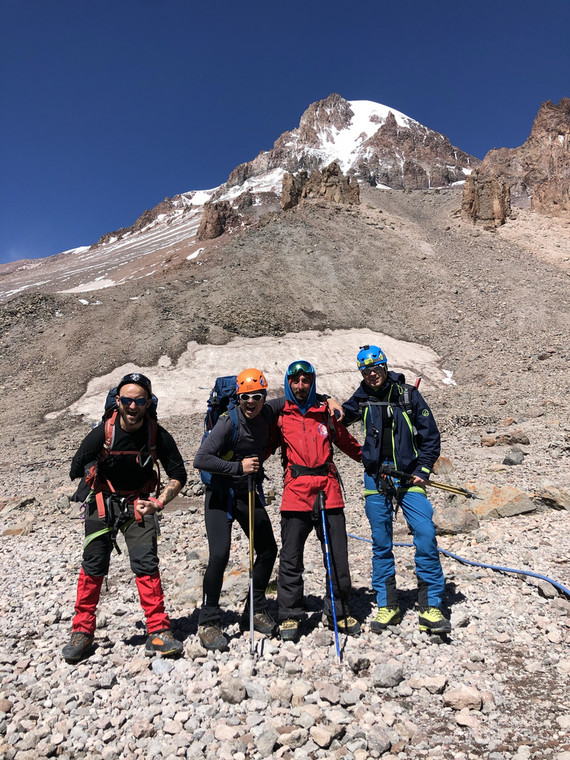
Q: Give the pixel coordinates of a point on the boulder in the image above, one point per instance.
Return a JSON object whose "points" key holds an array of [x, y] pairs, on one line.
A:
{"points": [[496, 501], [216, 219]]}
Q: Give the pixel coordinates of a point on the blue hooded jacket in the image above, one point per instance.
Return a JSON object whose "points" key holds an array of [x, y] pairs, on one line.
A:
{"points": [[415, 440], [311, 398]]}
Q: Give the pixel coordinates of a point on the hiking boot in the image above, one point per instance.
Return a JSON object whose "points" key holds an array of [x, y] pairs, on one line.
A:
{"points": [[432, 620], [262, 622], [349, 626], [163, 642], [289, 630], [384, 617], [211, 636], [78, 645]]}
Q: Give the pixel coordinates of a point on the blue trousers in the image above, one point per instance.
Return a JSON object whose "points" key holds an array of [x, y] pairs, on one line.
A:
{"points": [[418, 513]]}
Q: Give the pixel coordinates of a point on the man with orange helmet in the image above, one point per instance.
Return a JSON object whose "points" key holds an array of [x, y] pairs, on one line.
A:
{"points": [[227, 500]]}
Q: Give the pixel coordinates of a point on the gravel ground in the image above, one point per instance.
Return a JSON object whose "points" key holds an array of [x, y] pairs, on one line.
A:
{"points": [[497, 688]]}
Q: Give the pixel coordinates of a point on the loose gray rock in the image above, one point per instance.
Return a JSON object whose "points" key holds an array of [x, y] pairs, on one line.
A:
{"points": [[233, 691], [387, 675]]}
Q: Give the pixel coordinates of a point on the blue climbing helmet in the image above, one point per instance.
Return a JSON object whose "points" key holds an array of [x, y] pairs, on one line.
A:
{"points": [[371, 356]]}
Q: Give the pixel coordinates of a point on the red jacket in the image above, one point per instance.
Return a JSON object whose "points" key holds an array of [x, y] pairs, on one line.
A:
{"points": [[305, 441]]}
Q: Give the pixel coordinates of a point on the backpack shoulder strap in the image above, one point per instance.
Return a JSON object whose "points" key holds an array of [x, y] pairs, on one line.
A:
{"points": [[152, 431], [407, 398], [405, 390], [109, 435], [330, 426], [233, 413]]}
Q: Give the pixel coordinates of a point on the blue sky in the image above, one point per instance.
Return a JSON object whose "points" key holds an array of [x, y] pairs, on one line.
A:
{"points": [[107, 107]]}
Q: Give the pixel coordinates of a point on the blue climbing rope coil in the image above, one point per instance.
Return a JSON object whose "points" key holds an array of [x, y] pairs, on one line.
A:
{"points": [[496, 568]]}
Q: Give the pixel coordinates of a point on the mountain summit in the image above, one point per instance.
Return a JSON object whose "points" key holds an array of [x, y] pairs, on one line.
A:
{"points": [[371, 144], [376, 144]]}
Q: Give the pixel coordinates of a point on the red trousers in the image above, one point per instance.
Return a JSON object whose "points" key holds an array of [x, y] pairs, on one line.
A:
{"points": [[151, 598]]}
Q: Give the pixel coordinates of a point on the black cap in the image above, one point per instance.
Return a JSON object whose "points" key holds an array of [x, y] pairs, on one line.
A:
{"points": [[137, 379]]}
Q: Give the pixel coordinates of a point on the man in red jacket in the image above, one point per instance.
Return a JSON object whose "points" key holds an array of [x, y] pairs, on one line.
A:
{"points": [[306, 432]]}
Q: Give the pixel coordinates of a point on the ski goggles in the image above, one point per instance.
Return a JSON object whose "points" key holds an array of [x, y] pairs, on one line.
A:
{"points": [[126, 401], [300, 368], [251, 396], [377, 369]]}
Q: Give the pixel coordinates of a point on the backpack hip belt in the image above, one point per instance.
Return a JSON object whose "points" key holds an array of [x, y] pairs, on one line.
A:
{"points": [[297, 470], [103, 493]]}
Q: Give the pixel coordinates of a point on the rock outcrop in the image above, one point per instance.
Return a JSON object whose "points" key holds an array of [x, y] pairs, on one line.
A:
{"points": [[328, 184], [536, 175], [292, 189], [485, 200], [216, 219]]}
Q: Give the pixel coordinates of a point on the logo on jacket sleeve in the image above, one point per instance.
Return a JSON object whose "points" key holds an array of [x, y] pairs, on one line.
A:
{"points": [[425, 412], [323, 430]]}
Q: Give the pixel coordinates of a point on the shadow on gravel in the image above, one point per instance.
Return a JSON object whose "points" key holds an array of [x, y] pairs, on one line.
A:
{"points": [[452, 596], [362, 602]]}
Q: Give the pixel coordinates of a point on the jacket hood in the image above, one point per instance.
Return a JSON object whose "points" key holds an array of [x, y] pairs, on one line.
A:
{"points": [[311, 398]]}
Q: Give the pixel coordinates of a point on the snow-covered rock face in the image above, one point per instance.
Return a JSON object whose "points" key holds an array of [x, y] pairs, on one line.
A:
{"points": [[376, 144]]}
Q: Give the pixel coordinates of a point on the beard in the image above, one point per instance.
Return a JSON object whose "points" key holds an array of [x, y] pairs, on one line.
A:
{"points": [[135, 418]]}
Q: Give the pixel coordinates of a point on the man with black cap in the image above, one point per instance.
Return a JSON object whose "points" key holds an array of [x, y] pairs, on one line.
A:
{"points": [[119, 457], [307, 435]]}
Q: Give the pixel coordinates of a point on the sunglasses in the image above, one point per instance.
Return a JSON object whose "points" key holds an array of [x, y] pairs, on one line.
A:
{"points": [[300, 368], [377, 370], [126, 401], [251, 396]]}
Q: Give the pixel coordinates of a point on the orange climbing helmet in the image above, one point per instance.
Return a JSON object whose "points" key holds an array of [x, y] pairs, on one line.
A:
{"points": [[250, 380]]}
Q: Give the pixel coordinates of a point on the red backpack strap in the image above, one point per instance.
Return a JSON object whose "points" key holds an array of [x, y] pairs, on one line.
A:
{"points": [[109, 435]]}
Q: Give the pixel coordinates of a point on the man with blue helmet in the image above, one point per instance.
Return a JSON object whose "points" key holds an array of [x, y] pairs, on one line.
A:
{"points": [[307, 434], [400, 432]]}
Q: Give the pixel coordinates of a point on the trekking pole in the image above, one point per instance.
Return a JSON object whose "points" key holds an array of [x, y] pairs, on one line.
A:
{"points": [[251, 496], [433, 483], [321, 504]]}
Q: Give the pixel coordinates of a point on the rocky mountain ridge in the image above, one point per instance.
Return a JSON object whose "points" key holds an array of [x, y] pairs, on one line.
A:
{"points": [[535, 175]]}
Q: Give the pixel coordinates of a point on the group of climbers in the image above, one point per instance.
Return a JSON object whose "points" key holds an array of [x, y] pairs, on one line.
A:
{"points": [[399, 432]]}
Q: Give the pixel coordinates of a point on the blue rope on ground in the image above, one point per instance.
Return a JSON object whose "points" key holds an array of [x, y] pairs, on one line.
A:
{"points": [[464, 561]]}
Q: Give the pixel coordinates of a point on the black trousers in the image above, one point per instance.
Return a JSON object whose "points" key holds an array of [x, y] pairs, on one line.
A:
{"points": [[140, 537], [220, 513], [295, 529]]}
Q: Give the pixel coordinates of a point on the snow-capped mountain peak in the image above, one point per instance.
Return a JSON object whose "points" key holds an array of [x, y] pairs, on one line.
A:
{"points": [[370, 142]]}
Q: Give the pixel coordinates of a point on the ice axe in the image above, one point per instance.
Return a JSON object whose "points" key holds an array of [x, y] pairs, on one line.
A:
{"points": [[393, 473]]}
